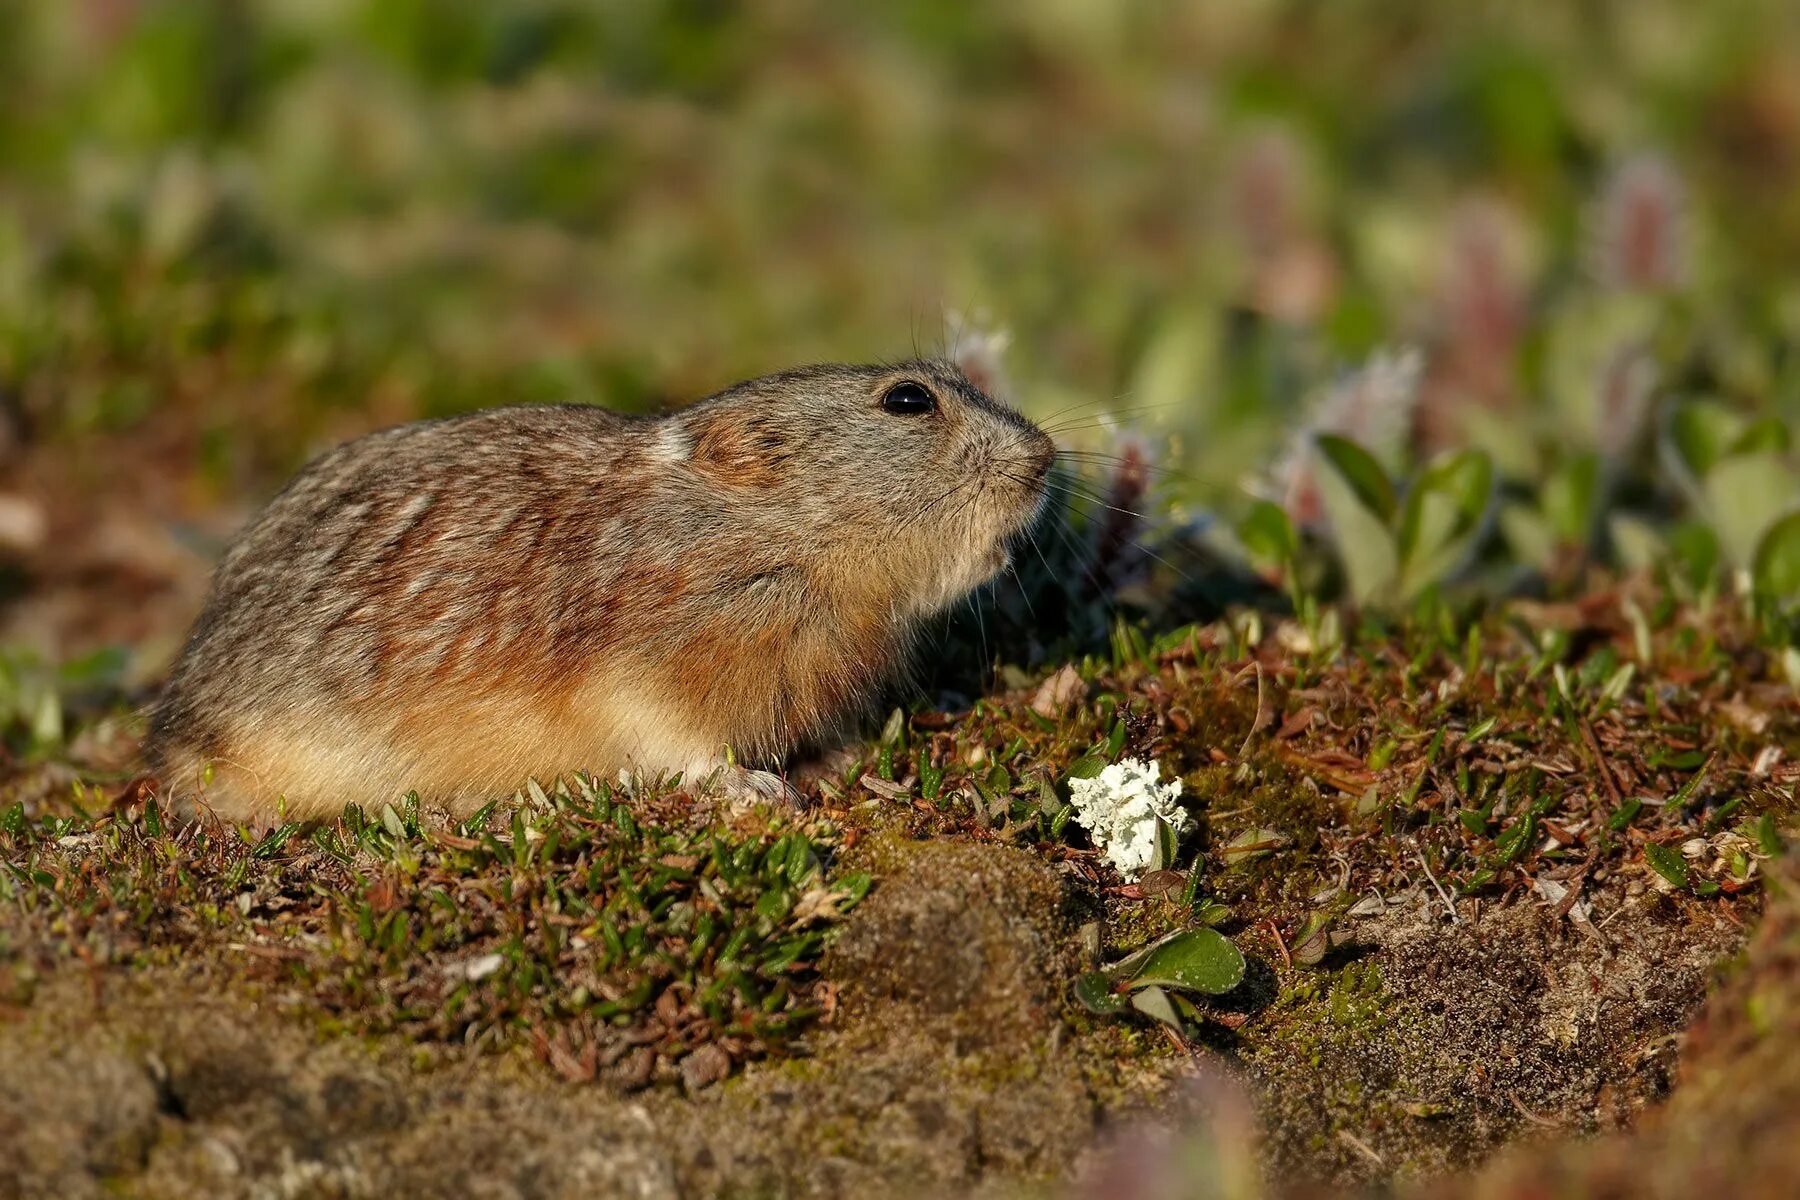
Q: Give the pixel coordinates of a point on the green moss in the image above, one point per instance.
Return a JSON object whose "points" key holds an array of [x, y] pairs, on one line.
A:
{"points": [[586, 921], [1357, 1000]]}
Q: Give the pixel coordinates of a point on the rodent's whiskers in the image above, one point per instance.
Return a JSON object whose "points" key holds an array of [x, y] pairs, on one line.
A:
{"points": [[1082, 559], [1090, 402], [1069, 489], [990, 655], [972, 497], [943, 496], [1104, 459], [1013, 570], [1111, 417], [1079, 555]]}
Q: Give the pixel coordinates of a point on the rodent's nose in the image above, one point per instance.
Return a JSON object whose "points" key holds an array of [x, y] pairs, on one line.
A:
{"points": [[1042, 453]]}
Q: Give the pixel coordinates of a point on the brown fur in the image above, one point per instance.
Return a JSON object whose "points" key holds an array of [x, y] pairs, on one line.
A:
{"points": [[453, 606], [740, 452]]}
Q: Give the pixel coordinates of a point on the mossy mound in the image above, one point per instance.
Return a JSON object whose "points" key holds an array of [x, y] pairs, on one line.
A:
{"points": [[977, 939]]}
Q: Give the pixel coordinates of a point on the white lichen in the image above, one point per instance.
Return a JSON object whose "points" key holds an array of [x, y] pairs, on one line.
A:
{"points": [[1120, 807]]}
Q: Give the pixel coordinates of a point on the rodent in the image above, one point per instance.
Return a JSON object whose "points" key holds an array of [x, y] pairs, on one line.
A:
{"points": [[455, 605]]}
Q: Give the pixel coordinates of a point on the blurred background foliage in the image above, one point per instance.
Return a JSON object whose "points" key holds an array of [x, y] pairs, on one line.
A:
{"points": [[233, 231]]}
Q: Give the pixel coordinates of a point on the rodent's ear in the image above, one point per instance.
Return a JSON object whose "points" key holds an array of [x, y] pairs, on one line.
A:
{"points": [[737, 448]]}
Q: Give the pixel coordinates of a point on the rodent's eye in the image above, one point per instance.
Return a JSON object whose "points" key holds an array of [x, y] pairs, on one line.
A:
{"points": [[909, 399]]}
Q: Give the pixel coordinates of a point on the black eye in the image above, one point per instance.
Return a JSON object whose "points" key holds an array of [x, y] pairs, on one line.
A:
{"points": [[908, 399]]}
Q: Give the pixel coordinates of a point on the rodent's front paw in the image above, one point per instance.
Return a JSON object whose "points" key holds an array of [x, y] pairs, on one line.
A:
{"points": [[741, 785]]}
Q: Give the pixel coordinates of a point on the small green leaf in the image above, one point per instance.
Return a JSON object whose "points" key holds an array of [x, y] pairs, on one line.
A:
{"points": [[1095, 991], [1515, 838], [1088, 766], [1360, 536], [1211, 912], [271, 845], [1190, 892], [1763, 433], [45, 720], [1744, 495], [1268, 534], [1167, 845], [1667, 862], [1154, 1002], [1309, 946], [855, 886], [101, 668], [1700, 434], [1446, 510], [774, 904], [1529, 534], [1768, 836], [1694, 550], [1251, 844], [1776, 568], [1194, 960], [1637, 543], [1570, 498], [1358, 468], [801, 862]]}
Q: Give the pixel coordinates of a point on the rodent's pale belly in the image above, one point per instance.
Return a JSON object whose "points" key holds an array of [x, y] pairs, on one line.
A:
{"points": [[461, 754], [594, 729]]}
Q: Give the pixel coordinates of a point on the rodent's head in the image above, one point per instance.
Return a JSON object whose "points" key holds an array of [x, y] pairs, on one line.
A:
{"points": [[907, 475]]}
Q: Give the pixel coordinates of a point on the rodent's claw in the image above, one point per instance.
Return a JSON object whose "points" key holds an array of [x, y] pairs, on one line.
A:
{"points": [[741, 785]]}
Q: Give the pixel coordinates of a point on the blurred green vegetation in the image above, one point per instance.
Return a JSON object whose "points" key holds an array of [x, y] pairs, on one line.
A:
{"points": [[251, 211], [257, 226]]}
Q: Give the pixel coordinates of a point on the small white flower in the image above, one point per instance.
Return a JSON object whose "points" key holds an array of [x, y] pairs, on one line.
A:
{"points": [[1120, 807]]}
